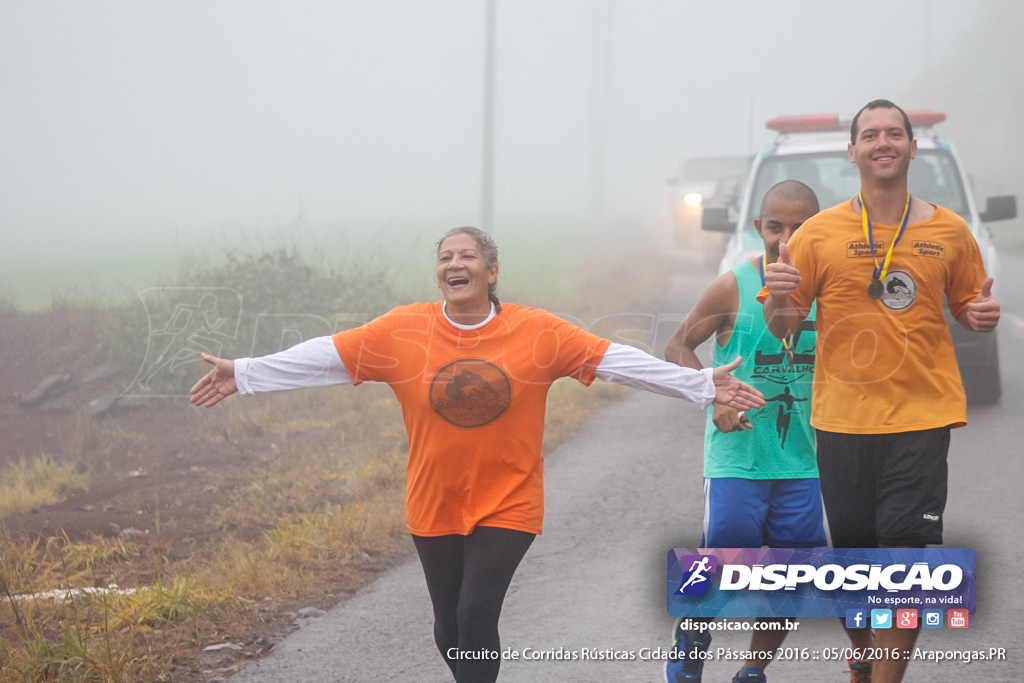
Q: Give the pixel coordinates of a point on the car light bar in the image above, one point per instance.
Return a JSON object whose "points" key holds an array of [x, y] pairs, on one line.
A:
{"points": [[925, 117], [804, 124], [811, 123]]}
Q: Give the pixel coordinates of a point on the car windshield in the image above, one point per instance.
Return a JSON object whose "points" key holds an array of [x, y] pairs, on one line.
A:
{"points": [[933, 176]]}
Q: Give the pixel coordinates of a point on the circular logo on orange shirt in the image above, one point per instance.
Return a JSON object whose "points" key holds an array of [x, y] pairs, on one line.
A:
{"points": [[470, 393]]}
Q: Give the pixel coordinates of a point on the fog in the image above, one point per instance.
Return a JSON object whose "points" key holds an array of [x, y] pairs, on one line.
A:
{"points": [[135, 129]]}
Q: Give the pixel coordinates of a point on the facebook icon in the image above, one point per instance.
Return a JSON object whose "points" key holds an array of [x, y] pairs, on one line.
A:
{"points": [[856, 618]]}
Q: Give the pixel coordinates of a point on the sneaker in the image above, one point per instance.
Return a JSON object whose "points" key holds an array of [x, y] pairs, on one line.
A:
{"points": [[688, 667], [750, 674], [860, 672]]}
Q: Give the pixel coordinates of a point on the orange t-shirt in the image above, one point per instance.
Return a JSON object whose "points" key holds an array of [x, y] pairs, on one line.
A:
{"points": [[473, 403], [885, 365]]}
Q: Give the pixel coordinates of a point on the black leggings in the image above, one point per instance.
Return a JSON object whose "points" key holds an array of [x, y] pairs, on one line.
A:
{"points": [[467, 577]]}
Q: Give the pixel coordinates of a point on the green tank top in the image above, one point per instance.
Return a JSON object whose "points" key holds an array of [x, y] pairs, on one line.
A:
{"points": [[781, 444]]}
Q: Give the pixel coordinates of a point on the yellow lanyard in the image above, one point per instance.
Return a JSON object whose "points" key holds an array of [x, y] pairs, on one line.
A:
{"points": [[880, 271]]}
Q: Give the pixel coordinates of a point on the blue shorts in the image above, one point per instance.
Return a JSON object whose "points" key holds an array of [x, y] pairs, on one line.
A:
{"points": [[750, 513]]}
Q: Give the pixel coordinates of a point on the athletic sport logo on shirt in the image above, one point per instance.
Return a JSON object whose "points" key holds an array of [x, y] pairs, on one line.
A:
{"points": [[862, 249], [470, 393]]}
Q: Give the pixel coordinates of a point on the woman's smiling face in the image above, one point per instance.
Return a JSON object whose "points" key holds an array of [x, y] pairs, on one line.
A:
{"points": [[463, 275]]}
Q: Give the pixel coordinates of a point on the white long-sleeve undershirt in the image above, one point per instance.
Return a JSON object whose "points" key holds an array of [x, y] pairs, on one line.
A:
{"points": [[315, 363]]}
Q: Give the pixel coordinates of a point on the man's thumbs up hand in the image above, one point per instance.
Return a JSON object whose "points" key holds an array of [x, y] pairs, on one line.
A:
{"points": [[983, 312], [784, 254], [986, 289], [781, 277]]}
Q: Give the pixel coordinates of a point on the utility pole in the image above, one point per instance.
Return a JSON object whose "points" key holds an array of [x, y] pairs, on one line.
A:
{"points": [[599, 99], [487, 170]]}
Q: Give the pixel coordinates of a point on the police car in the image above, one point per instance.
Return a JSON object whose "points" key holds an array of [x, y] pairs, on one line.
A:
{"points": [[813, 149]]}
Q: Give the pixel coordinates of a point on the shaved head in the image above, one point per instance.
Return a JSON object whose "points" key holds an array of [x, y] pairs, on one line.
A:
{"points": [[790, 190]]}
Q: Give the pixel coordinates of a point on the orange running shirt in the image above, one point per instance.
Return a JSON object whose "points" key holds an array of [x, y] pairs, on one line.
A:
{"points": [[885, 365], [473, 403]]}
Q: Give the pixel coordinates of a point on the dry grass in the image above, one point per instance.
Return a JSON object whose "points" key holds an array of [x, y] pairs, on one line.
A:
{"points": [[107, 636], [27, 484], [75, 635], [326, 493], [94, 446]]}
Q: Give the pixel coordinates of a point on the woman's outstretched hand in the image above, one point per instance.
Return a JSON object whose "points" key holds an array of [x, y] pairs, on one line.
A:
{"points": [[733, 392], [219, 383]]}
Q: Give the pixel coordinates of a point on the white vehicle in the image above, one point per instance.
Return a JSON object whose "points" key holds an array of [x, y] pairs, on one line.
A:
{"points": [[813, 149], [701, 181]]}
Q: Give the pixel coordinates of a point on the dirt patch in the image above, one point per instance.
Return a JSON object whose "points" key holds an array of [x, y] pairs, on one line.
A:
{"points": [[144, 450]]}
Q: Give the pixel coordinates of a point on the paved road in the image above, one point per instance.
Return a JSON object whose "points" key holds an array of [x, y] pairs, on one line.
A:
{"points": [[622, 493]]}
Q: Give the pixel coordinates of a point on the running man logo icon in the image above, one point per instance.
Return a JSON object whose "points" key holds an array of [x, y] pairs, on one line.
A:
{"points": [[696, 580]]}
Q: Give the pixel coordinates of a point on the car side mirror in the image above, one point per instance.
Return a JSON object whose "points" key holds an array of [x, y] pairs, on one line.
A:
{"points": [[716, 219], [999, 208]]}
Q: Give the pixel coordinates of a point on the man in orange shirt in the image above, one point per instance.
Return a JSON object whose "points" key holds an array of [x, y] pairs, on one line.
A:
{"points": [[887, 388]]}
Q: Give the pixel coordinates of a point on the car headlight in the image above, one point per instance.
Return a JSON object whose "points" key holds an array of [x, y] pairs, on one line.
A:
{"points": [[693, 199]]}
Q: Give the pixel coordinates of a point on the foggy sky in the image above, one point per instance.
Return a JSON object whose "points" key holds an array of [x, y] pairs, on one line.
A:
{"points": [[138, 123]]}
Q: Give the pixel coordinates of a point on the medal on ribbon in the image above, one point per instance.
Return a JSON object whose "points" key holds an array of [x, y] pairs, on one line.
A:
{"points": [[875, 287]]}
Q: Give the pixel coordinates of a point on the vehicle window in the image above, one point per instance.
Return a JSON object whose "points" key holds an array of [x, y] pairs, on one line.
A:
{"points": [[933, 176]]}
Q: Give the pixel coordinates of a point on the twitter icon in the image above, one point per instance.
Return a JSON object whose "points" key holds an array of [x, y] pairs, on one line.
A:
{"points": [[881, 618]]}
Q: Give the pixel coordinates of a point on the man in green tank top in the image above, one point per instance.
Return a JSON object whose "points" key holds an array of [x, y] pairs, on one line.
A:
{"points": [[760, 471]]}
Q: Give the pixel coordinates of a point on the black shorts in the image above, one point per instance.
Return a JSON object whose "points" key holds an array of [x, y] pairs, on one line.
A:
{"points": [[884, 489]]}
